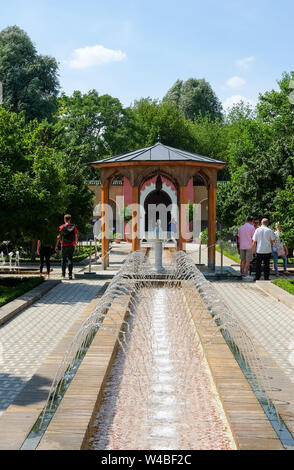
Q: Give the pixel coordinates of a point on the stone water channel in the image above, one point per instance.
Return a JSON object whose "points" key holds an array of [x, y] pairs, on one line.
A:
{"points": [[160, 393]]}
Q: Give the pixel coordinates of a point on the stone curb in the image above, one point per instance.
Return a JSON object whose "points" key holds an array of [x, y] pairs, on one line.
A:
{"points": [[25, 300], [279, 294]]}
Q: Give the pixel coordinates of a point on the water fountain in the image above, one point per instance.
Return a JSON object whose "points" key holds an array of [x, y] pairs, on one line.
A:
{"points": [[10, 260], [157, 246], [160, 393]]}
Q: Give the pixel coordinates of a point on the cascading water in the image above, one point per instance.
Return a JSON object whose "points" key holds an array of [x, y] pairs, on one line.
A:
{"points": [[160, 393], [180, 408]]}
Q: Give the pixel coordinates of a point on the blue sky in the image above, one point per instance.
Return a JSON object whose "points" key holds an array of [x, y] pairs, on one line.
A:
{"points": [[134, 48]]}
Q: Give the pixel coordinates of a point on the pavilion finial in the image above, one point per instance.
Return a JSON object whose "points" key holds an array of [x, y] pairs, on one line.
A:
{"points": [[158, 138]]}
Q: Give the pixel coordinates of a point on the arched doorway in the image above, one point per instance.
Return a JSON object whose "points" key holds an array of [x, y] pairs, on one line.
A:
{"points": [[155, 206]]}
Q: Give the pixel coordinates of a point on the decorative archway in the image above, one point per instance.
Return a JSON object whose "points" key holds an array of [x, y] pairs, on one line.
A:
{"points": [[157, 200], [167, 196]]}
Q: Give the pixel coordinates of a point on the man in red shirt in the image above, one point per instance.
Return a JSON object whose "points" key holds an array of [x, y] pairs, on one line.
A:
{"points": [[68, 237]]}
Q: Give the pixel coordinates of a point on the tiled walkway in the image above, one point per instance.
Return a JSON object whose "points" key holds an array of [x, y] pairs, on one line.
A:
{"points": [[269, 321], [28, 338]]}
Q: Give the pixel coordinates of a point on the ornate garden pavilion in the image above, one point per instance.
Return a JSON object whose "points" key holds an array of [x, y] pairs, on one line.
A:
{"points": [[173, 165]]}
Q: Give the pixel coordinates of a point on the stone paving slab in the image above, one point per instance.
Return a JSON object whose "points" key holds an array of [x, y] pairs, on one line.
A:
{"points": [[270, 324], [21, 415], [279, 294], [19, 304], [28, 338], [269, 321]]}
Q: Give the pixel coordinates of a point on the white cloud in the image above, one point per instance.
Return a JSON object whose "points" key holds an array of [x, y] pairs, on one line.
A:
{"points": [[236, 82], [91, 56], [244, 63], [229, 102]]}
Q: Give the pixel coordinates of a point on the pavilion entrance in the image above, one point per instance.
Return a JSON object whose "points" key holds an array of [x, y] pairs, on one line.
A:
{"points": [[157, 206]]}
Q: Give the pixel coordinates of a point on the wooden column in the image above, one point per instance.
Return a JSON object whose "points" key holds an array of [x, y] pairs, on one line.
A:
{"points": [[135, 219], [105, 225], [182, 219], [211, 225]]}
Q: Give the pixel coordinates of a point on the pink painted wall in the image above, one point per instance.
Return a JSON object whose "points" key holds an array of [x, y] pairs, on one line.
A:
{"points": [[190, 191], [127, 191]]}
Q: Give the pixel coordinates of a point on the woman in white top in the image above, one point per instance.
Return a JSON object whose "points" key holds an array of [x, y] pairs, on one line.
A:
{"points": [[279, 251]]}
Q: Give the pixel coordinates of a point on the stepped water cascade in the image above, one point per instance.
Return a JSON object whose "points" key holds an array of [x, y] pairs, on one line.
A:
{"points": [[160, 393]]}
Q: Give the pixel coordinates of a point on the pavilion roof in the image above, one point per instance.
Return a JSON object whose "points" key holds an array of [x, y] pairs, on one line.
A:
{"points": [[158, 153]]}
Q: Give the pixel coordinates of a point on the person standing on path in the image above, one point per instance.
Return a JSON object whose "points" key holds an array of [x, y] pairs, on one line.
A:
{"points": [[245, 235], [69, 238], [263, 240], [279, 251], [45, 251]]}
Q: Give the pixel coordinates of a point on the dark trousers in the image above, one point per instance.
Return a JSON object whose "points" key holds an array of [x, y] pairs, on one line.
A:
{"points": [[67, 254], [45, 254], [265, 258]]}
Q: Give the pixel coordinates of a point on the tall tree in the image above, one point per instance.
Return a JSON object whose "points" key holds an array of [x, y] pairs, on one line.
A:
{"points": [[161, 120], [261, 156], [30, 81], [38, 183], [92, 126], [194, 98]]}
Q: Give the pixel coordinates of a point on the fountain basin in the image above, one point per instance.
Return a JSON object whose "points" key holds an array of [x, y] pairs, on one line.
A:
{"points": [[73, 424]]}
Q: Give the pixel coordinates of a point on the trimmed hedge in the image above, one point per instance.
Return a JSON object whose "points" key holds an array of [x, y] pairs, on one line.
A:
{"points": [[11, 288]]}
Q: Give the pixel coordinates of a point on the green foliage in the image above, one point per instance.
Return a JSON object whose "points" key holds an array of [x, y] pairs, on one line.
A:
{"points": [[230, 252], [204, 236], [10, 289], [154, 118], [261, 158], [126, 214], [194, 98], [92, 126], [30, 82], [38, 184], [283, 211]]}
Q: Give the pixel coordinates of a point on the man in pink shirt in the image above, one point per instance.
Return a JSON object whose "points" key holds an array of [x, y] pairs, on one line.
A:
{"points": [[245, 235]]}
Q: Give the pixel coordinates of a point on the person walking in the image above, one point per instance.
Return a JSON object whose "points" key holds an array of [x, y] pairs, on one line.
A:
{"points": [[279, 251], [263, 240], [245, 235], [68, 237], [45, 251]]}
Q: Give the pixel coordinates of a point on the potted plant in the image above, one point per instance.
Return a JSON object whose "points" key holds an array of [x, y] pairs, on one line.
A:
{"points": [[117, 237]]}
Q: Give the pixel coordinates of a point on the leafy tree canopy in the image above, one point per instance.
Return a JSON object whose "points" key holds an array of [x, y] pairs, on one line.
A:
{"points": [[92, 126], [30, 82], [38, 183], [195, 97]]}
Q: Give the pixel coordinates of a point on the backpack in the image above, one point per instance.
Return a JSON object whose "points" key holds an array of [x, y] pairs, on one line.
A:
{"points": [[68, 233]]}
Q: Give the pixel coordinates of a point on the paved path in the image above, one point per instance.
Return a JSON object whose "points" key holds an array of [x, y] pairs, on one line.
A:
{"points": [[28, 338], [269, 321]]}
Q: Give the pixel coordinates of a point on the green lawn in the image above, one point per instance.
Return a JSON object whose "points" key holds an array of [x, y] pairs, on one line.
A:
{"points": [[286, 284], [11, 288], [231, 252], [233, 256]]}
